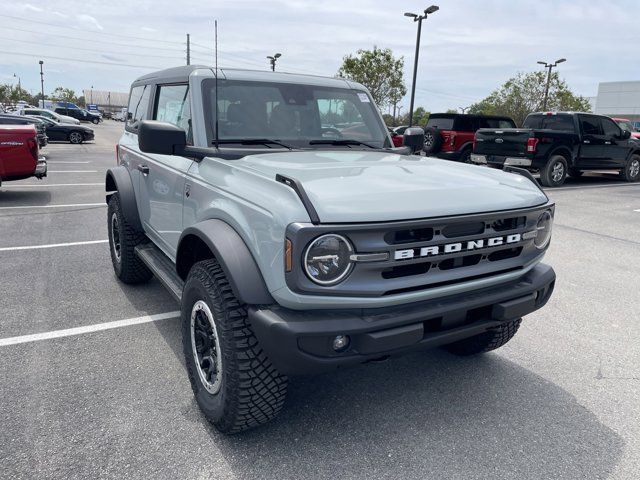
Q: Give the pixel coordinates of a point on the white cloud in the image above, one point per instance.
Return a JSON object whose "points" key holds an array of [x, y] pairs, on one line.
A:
{"points": [[32, 8], [84, 18]]}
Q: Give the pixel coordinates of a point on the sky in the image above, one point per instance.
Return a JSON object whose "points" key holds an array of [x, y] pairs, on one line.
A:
{"points": [[468, 48]]}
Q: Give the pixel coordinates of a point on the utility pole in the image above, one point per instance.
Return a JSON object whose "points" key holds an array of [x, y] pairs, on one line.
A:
{"points": [[546, 90], [272, 61], [91, 96], [417, 18], [41, 82], [188, 49]]}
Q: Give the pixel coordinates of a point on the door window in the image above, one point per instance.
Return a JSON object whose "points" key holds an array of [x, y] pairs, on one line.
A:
{"points": [[610, 128], [173, 106], [138, 106], [590, 126]]}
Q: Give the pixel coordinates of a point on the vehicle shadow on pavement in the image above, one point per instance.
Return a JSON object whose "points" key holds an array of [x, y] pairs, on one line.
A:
{"points": [[31, 196], [428, 415]]}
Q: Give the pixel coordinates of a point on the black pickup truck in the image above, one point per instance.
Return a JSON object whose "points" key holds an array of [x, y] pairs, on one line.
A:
{"points": [[557, 144]]}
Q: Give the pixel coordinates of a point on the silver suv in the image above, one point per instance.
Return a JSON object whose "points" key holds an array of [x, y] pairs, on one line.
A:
{"points": [[297, 240]]}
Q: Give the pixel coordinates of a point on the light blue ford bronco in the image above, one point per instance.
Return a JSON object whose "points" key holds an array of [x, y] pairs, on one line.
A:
{"points": [[274, 208]]}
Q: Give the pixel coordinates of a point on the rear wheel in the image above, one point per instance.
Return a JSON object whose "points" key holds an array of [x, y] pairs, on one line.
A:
{"points": [[76, 137], [631, 171], [554, 172], [233, 381], [487, 341]]}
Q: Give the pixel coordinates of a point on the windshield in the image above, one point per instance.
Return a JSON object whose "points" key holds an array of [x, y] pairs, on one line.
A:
{"points": [[626, 125], [294, 114]]}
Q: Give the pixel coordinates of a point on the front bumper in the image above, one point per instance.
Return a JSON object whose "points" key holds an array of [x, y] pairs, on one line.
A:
{"points": [[300, 342], [89, 136]]}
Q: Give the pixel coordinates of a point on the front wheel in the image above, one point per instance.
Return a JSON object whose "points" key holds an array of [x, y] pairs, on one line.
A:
{"points": [[95, 121], [76, 137], [233, 381], [554, 172], [631, 171], [487, 341]]}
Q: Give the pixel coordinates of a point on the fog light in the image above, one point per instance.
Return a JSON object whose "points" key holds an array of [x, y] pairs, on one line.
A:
{"points": [[341, 342]]}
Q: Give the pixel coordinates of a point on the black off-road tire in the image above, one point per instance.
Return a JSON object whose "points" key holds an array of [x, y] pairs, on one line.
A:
{"points": [[487, 341], [631, 170], [465, 156], [251, 391], [432, 140], [123, 239], [554, 172]]}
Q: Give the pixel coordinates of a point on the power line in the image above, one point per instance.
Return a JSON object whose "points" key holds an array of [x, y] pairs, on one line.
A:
{"points": [[92, 49], [129, 45], [91, 31], [115, 64]]}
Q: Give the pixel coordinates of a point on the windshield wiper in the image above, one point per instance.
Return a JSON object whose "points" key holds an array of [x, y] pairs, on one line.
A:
{"points": [[254, 141], [342, 142]]}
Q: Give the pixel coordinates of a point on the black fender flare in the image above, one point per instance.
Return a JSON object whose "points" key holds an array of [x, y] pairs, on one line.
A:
{"points": [[632, 153], [232, 254], [565, 152], [119, 180]]}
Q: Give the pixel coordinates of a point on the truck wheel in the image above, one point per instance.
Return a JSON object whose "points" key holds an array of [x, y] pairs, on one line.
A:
{"points": [[465, 156], [76, 137], [95, 121], [233, 381], [555, 171], [631, 171], [123, 239], [487, 341], [432, 140]]}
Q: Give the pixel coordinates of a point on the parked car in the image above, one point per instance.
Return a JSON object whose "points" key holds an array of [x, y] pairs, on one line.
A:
{"points": [[625, 124], [400, 129], [120, 116], [557, 144], [396, 138], [79, 114], [450, 135], [49, 114], [41, 134], [63, 132], [19, 153], [295, 248]]}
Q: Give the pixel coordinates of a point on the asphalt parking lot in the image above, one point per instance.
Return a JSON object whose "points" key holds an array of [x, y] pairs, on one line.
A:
{"points": [[561, 400]]}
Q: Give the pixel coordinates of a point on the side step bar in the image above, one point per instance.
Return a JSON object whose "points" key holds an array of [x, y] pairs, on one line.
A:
{"points": [[162, 267]]}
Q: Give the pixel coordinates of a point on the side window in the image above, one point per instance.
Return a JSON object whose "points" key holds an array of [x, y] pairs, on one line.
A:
{"points": [[172, 106], [138, 106], [590, 126], [610, 128], [464, 124]]}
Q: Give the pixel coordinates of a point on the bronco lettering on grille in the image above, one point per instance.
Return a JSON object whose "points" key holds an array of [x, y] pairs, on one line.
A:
{"points": [[456, 247]]}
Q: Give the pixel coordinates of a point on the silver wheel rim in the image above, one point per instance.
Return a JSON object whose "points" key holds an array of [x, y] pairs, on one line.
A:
{"points": [[634, 168], [115, 236], [75, 137], [428, 139], [557, 172], [205, 347]]}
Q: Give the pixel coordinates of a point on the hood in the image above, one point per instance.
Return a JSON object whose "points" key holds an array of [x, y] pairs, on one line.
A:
{"points": [[347, 187]]}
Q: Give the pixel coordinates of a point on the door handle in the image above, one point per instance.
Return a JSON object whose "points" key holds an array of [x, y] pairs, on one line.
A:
{"points": [[607, 143], [144, 169], [587, 141]]}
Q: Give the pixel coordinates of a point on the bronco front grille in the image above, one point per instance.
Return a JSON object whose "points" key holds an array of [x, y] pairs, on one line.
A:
{"points": [[423, 254]]}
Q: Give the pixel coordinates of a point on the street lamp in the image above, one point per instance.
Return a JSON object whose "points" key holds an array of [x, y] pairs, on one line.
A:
{"points": [[19, 84], [417, 18], [272, 61], [464, 109], [549, 66], [91, 95], [41, 82]]}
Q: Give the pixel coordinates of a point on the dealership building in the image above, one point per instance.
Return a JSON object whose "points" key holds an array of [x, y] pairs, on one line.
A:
{"points": [[619, 99]]}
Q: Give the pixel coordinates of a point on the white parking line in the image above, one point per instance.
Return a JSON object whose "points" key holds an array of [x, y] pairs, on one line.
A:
{"points": [[637, 210], [50, 185], [51, 245], [72, 171], [63, 161], [57, 206], [88, 329]]}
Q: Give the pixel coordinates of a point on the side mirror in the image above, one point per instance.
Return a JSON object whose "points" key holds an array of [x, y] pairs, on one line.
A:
{"points": [[414, 139], [625, 135], [161, 137]]}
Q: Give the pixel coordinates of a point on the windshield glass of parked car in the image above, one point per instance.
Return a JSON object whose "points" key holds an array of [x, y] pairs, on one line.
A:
{"points": [[562, 123], [297, 115]]}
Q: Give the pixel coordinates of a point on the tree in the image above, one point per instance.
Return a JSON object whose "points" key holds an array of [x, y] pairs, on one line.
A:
{"points": [[420, 117], [61, 94], [524, 94], [379, 71]]}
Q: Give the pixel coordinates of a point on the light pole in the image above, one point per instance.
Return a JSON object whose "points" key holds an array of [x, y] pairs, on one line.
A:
{"points": [[464, 109], [417, 18], [41, 82], [91, 94], [19, 84], [549, 66], [272, 61]]}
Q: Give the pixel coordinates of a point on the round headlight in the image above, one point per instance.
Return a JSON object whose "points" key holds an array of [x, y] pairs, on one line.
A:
{"points": [[327, 260], [543, 229]]}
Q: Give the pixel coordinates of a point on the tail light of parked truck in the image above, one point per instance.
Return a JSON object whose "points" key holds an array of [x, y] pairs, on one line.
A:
{"points": [[32, 145], [532, 145]]}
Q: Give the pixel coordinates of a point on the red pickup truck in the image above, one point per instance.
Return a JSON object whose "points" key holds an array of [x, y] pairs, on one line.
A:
{"points": [[19, 153]]}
